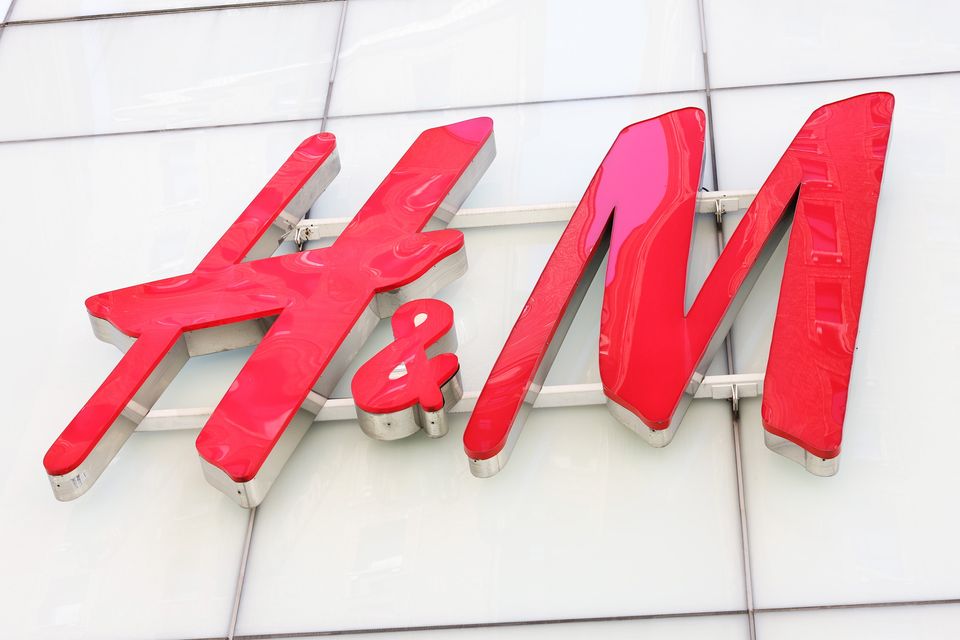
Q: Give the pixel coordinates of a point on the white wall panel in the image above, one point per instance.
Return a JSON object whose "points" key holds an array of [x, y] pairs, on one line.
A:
{"points": [[168, 71], [545, 152], [54, 9], [586, 520], [403, 56], [731, 627], [151, 552], [761, 42], [934, 622], [879, 530]]}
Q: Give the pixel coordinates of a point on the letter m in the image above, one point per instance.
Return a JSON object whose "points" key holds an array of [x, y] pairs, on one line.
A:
{"points": [[654, 351]]}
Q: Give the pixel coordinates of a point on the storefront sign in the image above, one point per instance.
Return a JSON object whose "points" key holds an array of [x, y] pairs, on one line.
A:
{"points": [[311, 311]]}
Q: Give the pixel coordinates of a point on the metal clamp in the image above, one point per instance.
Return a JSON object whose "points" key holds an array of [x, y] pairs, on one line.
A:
{"points": [[299, 233]]}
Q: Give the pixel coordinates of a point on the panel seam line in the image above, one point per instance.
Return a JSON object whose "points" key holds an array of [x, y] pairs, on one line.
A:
{"points": [[147, 13], [241, 574], [624, 618], [728, 346], [310, 118]]}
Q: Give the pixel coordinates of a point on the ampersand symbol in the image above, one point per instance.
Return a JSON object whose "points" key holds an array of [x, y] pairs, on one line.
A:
{"points": [[411, 383]]}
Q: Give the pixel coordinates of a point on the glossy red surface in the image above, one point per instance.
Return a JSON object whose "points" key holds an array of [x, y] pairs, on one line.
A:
{"points": [[236, 244], [649, 347], [316, 295], [375, 386], [838, 159], [634, 178]]}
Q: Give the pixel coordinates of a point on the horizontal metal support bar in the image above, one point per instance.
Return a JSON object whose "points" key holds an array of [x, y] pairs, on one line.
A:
{"points": [[708, 202], [728, 387], [744, 385]]}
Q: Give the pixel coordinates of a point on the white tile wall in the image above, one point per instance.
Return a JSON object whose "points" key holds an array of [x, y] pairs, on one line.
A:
{"points": [[402, 56], [728, 627], [759, 42], [883, 532], [153, 203], [545, 152], [58, 9], [932, 622], [167, 71], [587, 520], [153, 552]]}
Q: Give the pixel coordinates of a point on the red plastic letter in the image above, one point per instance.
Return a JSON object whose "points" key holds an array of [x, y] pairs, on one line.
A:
{"points": [[312, 311], [652, 353], [403, 389]]}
